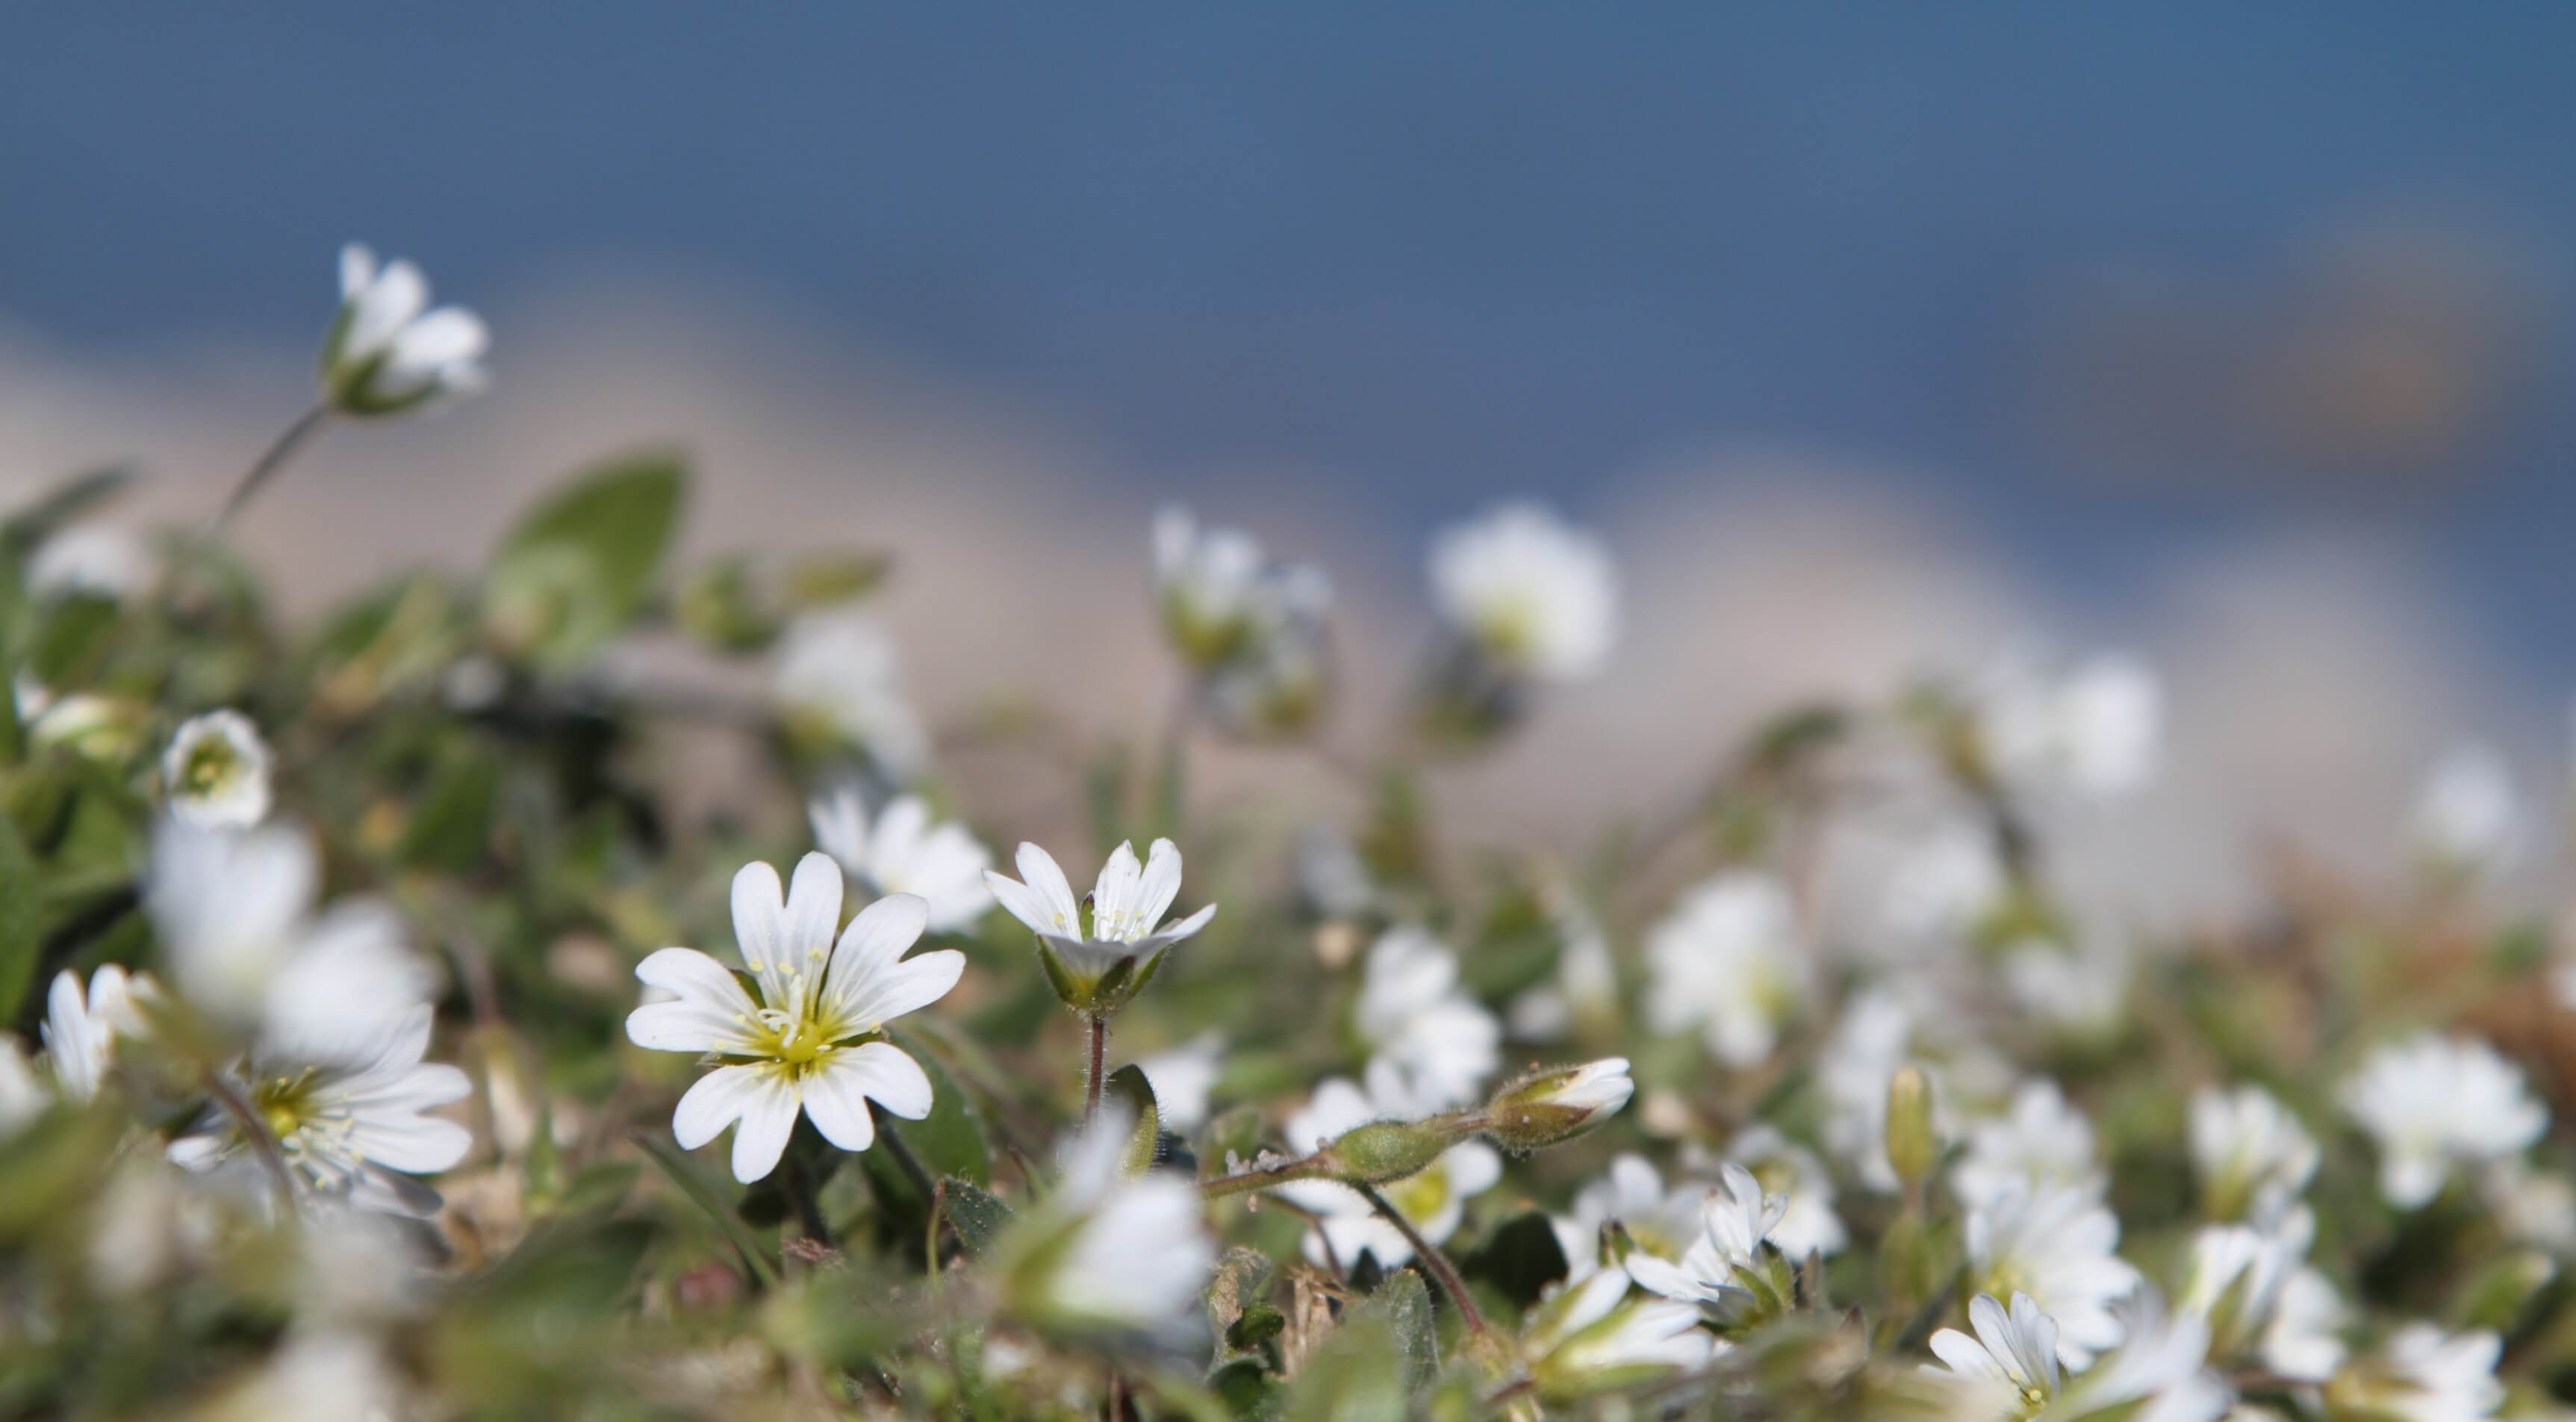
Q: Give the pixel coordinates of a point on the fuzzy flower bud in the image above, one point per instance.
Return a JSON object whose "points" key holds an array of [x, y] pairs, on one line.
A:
{"points": [[1551, 1107], [1390, 1150], [1913, 1144]]}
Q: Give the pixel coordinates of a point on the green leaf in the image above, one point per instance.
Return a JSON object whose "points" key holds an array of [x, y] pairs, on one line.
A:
{"points": [[977, 1216], [66, 502], [704, 1193], [1242, 1277], [455, 822], [822, 579], [21, 940], [950, 1141], [1371, 1366], [1403, 1305], [1128, 1084], [579, 567]]}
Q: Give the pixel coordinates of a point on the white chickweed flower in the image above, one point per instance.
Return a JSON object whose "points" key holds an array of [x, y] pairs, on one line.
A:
{"points": [[2040, 1140], [1412, 1012], [1538, 598], [1593, 1336], [81, 1030], [2253, 1155], [1735, 1221], [904, 852], [216, 772], [2260, 1300], [837, 676], [2056, 1243], [2469, 817], [1546, 1108], [90, 559], [1182, 1077], [1109, 1253], [388, 351], [1434, 1199], [812, 1042], [2159, 1374], [1728, 963], [2016, 1347], [2094, 731], [2422, 1374], [1101, 951], [1631, 1194], [2433, 1103], [1791, 1173], [2081, 994]]}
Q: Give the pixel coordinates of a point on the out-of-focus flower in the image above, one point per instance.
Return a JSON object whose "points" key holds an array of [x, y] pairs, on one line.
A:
{"points": [[2079, 993], [1434, 1200], [2159, 1373], [1631, 1194], [2240, 1282], [2469, 817], [1107, 1253], [1182, 1078], [1592, 1336], [22, 1096], [1735, 1222], [346, 1130], [216, 772], [2056, 1243], [2422, 1374], [1331, 876], [2016, 1347], [1586, 987], [903, 852], [235, 915], [2095, 731], [90, 559], [1281, 687], [1220, 596], [1548, 1108], [2536, 1207], [81, 1030], [143, 1227], [1412, 1012], [1909, 882], [106, 729], [1791, 1173], [1874, 1039], [2432, 1103], [1728, 963], [1536, 597], [2042, 1140], [2253, 1155], [324, 1375], [1100, 952], [389, 352], [838, 674], [811, 1044]]}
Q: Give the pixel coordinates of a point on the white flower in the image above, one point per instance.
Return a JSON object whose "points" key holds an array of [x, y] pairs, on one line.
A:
{"points": [[2252, 1154], [345, 1130], [837, 670], [1908, 880], [2469, 815], [235, 915], [903, 852], [2432, 1103], [1412, 1012], [1590, 1335], [1586, 987], [1727, 961], [1876, 1036], [2423, 1375], [95, 559], [811, 1042], [216, 772], [1735, 1220], [2055, 1243], [2042, 1140], [1331, 875], [1538, 598], [2258, 1298], [81, 1031], [22, 1096], [389, 352], [2094, 731], [2159, 1373], [1790, 1172], [1659, 1221], [1182, 1077], [1220, 596], [2535, 1207], [1433, 1200], [2016, 1348], [2079, 993], [1100, 951], [1106, 1251]]}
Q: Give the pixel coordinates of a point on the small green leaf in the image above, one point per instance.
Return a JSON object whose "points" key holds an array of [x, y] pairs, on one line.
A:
{"points": [[1128, 1084], [455, 822], [950, 1141], [1258, 1325], [975, 1214], [703, 1193], [579, 567]]}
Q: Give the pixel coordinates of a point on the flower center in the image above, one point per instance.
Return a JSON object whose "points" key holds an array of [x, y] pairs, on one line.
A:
{"points": [[212, 764]]}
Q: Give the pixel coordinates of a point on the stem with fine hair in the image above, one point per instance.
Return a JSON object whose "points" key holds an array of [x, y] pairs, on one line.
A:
{"points": [[247, 1118], [1262, 1177], [1434, 1262], [1099, 1062], [270, 462]]}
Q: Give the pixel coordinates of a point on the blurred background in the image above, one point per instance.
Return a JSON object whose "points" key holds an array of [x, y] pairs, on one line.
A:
{"points": [[1878, 341]]}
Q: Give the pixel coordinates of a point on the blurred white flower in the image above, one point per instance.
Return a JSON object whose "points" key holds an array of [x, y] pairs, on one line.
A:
{"points": [[1182, 1077], [2159, 1374], [388, 351], [903, 852], [2469, 817], [2260, 1299], [1906, 882], [2253, 1155], [320, 1375], [1791, 1173], [2041, 1140], [1592, 1335], [837, 670], [1538, 598], [1727, 962], [23, 1096], [216, 772], [2016, 1348], [1874, 1038], [2422, 1374], [1100, 950], [2058, 1244], [1412, 1012], [1661, 1222], [1735, 1220], [811, 1044], [1586, 986], [1220, 596], [2095, 731], [1434, 1200], [95, 559], [81, 1029], [2079, 993], [1331, 876], [143, 1227], [234, 912], [2432, 1103], [345, 1130], [1108, 1252], [2536, 1207]]}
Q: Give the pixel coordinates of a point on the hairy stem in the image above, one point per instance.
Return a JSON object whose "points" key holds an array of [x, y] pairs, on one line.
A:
{"points": [[269, 463], [255, 1130], [1099, 1064], [1434, 1262], [1262, 1177]]}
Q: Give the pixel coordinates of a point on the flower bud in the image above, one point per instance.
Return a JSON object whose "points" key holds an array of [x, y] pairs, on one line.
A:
{"points": [[1389, 1150], [1913, 1145], [389, 352], [1552, 1107]]}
